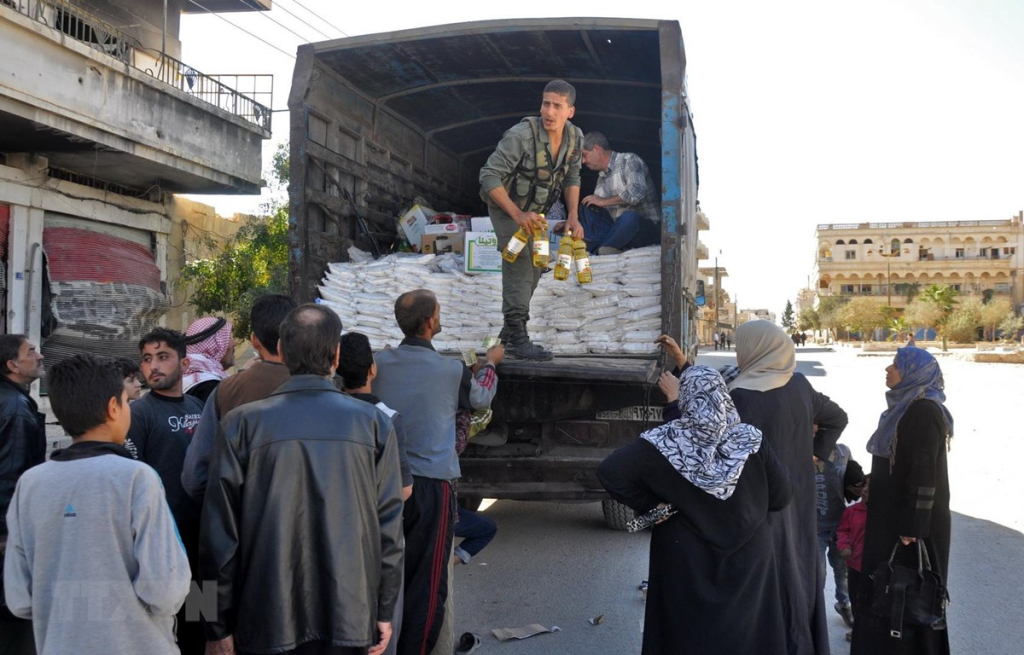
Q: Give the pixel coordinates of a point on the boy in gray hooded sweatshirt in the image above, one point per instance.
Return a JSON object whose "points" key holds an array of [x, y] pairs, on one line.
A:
{"points": [[93, 557]]}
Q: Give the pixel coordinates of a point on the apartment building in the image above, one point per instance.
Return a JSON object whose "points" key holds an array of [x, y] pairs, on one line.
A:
{"points": [[101, 123], [892, 262]]}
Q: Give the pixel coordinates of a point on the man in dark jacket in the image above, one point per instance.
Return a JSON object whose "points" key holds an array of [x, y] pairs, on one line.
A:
{"points": [[302, 521], [22, 446]]}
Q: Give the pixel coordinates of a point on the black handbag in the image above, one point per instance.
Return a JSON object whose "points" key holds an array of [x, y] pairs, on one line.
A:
{"points": [[909, 595]]}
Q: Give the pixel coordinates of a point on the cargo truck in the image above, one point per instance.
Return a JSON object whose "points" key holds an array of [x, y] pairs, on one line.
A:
{"points": [[380, 120]]}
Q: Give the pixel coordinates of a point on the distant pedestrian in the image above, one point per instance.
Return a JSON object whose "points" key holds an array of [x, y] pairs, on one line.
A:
{"points": [[93, 554], [728, 340], [716, 339], [22, 446], [911, 342], [772, 397], [714, 584], [910, 495], [302, 520]]}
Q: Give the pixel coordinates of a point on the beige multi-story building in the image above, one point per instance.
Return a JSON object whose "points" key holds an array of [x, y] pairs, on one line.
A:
{"points": [[101, 124], [892, 262]]}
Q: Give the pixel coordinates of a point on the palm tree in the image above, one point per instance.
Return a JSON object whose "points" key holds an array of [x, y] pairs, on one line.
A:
{"points": [[898, 326], [943, 297]]}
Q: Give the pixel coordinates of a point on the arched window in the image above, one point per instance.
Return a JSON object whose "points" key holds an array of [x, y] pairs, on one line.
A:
{"points": [[908, 241], [894, 246], [840, 242], [868, 242], [853, 242]]}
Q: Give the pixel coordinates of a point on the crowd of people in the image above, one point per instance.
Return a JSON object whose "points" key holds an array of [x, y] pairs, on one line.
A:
{"points": [[762, 502], [306, 504]]}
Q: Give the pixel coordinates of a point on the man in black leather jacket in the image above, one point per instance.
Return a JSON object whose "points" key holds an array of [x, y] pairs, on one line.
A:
{"points": [[302, 522], [22, 446]]}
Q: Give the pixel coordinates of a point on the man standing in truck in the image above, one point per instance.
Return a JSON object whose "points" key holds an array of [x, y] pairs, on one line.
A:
{"points": [[623, 211], [535, 160]]}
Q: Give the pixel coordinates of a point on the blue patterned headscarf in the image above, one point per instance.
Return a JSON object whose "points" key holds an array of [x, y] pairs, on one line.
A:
{"points": [[707, 444], [920, 377]]}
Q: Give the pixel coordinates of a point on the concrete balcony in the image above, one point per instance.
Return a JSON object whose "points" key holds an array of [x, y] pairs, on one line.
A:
{"points": [[95, 103], [702, 221]]}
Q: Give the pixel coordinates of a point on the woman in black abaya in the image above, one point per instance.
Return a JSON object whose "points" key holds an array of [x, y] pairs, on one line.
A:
{"points": [[909, 497], [782, 404], [713, 585]]}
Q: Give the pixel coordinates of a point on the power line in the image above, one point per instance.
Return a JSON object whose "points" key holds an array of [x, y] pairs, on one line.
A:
{"points": [[319, 17], [239, 27], [271, 19], [298, 18]]}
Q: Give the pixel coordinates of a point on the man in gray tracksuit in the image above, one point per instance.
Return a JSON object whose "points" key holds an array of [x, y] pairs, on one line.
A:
{"points": [[93, 557]]}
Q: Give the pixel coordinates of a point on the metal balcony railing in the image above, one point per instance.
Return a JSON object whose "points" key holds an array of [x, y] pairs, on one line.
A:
{"points": [[86, 28], [911, 225]]}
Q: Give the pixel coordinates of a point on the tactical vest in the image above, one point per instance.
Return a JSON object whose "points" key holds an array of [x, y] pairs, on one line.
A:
{"points": [[535, 188]]}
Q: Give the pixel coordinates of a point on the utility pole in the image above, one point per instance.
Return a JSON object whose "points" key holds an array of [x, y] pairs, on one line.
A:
{"points": [[717, 296]]}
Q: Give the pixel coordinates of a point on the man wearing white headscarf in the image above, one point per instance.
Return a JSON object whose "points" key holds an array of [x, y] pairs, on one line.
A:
{"points": [[211, 350], [781, 403]]}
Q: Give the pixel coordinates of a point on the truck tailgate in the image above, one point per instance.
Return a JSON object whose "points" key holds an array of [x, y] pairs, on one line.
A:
{"points": [[585, 368]]}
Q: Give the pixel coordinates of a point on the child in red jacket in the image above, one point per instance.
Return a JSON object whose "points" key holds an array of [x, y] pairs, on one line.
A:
{"points": [[850, 540]]}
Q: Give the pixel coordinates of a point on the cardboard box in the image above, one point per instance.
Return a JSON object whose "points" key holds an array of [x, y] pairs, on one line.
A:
{"points": [[437, 244], [481, 224], [442, 228], [482, 254], [414, 222]]}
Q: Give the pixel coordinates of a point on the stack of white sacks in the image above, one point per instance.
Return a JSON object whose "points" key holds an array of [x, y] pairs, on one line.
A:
{"points": [[618, 313]]}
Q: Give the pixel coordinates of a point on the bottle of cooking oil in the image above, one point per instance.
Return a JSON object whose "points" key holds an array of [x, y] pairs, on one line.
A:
{"points": [[583, 273], [564, 264], [541, 245], [515, 246]]}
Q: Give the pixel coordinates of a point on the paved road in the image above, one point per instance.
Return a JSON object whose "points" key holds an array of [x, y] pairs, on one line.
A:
{"points": [[556, 564]]}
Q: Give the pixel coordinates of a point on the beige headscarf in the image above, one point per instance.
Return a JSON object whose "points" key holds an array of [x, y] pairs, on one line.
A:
{"points": [[766, 357]]}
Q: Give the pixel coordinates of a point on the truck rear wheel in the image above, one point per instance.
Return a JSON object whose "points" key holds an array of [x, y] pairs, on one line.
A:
{"points": [[616, 515]]}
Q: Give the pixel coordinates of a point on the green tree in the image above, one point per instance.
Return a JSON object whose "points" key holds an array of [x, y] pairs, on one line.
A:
{"points": [[898, 326], [788, 320], [1011, 325], [830, 314], [992, 314], [250, 264], [808, 319], [943, 297], [961, 325], [863, 315], [921, 314]]}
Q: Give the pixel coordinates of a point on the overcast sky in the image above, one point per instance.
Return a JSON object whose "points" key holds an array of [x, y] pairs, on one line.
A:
{"points": [[806, 112]]}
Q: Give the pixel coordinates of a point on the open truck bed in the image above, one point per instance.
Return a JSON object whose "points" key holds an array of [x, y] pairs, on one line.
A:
{"points": [[381, 119]]}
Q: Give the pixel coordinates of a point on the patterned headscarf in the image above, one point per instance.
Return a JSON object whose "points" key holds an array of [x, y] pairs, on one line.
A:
{"points": [[766, 356], [707, 444], [920, 377], [206, 345]]}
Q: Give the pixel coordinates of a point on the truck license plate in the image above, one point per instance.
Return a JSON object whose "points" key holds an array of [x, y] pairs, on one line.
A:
{"points": [[636, 413]]}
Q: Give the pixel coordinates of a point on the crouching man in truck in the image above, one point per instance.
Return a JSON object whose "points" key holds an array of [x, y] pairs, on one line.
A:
{"points": [[623, 211], [535, 159]]}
